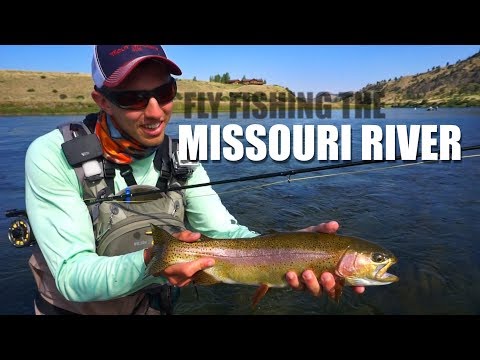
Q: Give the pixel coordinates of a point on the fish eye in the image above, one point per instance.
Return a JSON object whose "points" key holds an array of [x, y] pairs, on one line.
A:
{"points": [[378, 257]]}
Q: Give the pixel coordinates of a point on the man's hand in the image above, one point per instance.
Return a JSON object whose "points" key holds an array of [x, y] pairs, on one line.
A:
{"points": [[181, 274], [308, 281]]}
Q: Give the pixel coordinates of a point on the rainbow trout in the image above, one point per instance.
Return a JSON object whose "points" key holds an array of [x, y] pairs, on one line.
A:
{"points": [[264, 260]]}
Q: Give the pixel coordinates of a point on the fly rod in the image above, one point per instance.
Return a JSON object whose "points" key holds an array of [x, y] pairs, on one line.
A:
{"points": [[20, 234], [288, 173]]}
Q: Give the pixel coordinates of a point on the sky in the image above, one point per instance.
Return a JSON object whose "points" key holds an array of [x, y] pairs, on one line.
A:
{"points": [[301, 68]]}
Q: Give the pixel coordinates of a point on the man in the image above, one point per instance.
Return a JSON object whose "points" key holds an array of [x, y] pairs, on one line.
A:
{"points": [[92, 259]]}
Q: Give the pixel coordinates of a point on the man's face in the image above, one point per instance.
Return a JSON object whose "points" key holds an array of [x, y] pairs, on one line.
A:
{"points": [[147, 126]]}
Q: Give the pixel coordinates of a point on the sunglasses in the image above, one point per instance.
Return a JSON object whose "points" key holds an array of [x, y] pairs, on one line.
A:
{"points": [[138, 99]]}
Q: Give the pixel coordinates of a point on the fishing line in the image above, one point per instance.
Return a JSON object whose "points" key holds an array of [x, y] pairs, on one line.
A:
{"points": [[245, 188], [289, 180], [20, 235]]}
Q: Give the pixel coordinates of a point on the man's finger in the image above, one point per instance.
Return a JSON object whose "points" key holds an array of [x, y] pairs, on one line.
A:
{"points": [[359, 289], [311, 282], [293, 281], [187, 236], [328, 227], [328, 283], [200, 264]]}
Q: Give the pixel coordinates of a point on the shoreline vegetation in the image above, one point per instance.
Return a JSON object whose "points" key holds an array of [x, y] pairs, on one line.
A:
{"points": [[50, 93], [55, 93]]}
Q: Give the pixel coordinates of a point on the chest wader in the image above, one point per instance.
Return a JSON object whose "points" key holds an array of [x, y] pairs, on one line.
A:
{"points": [[122, 227]]}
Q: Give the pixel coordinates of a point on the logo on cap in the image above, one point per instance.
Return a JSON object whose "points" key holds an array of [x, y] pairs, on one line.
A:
{"points": [[112, 63]]}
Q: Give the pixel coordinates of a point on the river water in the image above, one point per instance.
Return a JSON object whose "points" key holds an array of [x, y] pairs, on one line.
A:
{"points": [[426, 214]]}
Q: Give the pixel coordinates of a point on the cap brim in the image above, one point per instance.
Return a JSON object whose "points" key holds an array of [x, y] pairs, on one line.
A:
{"points": [[122, 72]]}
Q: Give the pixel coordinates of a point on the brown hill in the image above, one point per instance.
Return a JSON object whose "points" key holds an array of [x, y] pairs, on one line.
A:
{"points": [[34, 92], [451, 85], [37, 92]]}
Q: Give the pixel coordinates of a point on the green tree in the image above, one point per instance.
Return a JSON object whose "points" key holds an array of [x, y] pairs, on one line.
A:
{"points": [[225, 78]]}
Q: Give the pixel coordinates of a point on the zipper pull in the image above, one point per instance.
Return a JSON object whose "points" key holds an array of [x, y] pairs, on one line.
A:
{"points": [[176, 205], [128, 194]]}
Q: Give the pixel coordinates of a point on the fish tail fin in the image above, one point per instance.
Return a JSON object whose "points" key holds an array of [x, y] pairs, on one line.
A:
{"points": [[259, 294], [161, 240], [161, 236]]}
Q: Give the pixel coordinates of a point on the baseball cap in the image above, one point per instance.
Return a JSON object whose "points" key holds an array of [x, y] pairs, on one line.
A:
{"points": [[111, 64]]}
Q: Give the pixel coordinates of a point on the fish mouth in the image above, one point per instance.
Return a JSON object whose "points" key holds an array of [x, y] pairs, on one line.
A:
{"points": [[383, 276]]}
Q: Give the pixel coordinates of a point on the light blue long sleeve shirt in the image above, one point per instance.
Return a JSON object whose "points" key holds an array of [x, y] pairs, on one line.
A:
{"points": [[63, 228]]}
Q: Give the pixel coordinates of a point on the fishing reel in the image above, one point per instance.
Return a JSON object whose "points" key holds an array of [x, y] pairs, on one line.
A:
{"points": [[19, 232]]}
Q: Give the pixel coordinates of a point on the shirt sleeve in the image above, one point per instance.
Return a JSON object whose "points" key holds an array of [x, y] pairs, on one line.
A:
{"points": [[206, 213], [63, 229]]}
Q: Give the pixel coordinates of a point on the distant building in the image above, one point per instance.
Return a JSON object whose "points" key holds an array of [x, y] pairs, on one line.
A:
{"points": [[248, 82]]}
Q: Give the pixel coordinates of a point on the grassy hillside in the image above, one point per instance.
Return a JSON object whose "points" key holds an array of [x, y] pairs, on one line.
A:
{"points": [[31, 92], [449, 85]]}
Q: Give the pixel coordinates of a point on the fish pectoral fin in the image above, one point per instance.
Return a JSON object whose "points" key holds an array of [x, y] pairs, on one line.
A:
{"points": [[202, 278], [336, 292], [259, 294]]}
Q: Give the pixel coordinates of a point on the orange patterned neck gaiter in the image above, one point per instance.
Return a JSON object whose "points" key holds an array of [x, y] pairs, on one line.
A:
{"points": [[117, 146]]}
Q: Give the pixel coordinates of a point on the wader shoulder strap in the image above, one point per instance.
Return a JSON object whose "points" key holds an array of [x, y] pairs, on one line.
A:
{"points": [[127, 173], [68, 130], [90, 121], [162, 160], [109, 174], [163, 164]]}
